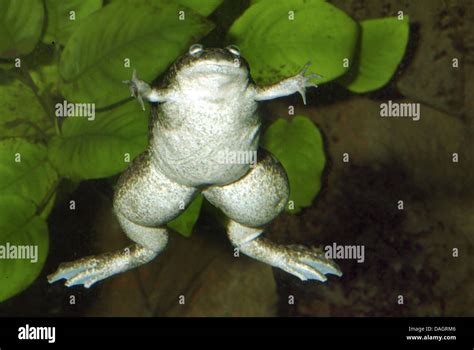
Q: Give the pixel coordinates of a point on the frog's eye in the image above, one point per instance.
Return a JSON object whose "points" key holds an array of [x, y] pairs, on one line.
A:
{"points": [[196, 50], [233, 50]]}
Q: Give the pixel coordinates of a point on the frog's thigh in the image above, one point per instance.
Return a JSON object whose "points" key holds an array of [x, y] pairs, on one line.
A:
{"points": [[258, 197], [146, 197]]}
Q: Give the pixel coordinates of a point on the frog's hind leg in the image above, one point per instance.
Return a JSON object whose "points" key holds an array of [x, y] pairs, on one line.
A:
{"points": [[254, 201], [145, 200]]}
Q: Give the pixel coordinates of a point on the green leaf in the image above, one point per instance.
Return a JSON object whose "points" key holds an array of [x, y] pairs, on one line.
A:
{"points": [[21, 115], [203, 7], [298, 145], [184, 223], [46, 77], [277, 47], [382, 46], [148, 33], [91, 149], [6, 66], [269, 2], [20, 227], [20, 26], [60, 23], [25, 170]]}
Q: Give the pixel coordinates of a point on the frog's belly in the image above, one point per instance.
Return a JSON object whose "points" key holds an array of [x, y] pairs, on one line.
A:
{"points": [[194, 159]]}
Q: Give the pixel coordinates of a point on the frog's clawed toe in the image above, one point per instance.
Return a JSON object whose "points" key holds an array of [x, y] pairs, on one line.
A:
{"points": [[305, 81], [132, 84], [86, 271], [136, 87], [309, 263]]}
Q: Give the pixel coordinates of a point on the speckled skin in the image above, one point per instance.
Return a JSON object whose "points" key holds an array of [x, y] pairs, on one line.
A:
{"points": [[206, 103]]}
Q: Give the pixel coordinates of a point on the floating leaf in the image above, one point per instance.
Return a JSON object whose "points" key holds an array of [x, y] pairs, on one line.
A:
{"points": [[46, 78], [269, 2], [90, 149], [184, 223], [25, 170], [382, 46], [20, 23], [6, 65], [61, 22], [18, 118], [20, 227], [298, 145], [147, 35], [203, 7], [278, 40]]}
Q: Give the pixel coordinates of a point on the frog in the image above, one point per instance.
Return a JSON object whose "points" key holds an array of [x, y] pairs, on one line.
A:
{"points": [[206, 102]]}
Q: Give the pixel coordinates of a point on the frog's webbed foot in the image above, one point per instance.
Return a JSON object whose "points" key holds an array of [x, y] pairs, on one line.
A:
{"points": [[85, 271], [92, 269], [301, 261], [308, 263]]}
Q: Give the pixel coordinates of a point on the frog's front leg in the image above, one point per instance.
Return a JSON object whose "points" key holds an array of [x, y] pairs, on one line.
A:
{"points": [[142, 90], [144, 201], [289, 86]]}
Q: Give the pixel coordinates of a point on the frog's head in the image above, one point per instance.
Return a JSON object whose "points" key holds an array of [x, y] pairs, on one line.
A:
{"points": [[212, 67]]}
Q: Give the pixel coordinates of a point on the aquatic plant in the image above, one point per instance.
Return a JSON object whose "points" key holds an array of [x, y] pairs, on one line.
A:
{"points": [[57, 52]]}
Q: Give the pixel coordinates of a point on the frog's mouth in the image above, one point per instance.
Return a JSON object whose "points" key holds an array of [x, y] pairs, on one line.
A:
{"points": [[224, 68]]}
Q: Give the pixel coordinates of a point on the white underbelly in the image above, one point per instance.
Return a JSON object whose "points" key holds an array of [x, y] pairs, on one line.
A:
{"points": [[195, 159]]}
